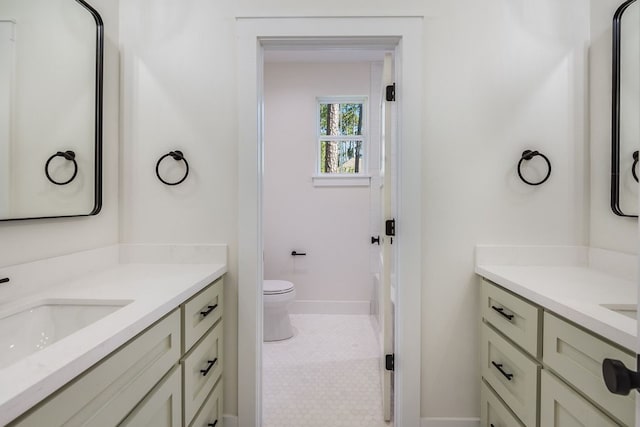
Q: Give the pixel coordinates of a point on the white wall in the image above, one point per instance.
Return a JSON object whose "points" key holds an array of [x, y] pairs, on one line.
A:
{"points": [[24, 241], [501, 76], [330, 224], [608, 231]]}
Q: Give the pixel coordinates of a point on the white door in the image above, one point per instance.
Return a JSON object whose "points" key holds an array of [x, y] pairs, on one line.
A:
{"points": [[388, 253]]}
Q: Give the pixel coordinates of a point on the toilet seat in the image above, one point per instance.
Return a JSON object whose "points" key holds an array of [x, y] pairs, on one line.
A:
{"points": [[276, 287]]}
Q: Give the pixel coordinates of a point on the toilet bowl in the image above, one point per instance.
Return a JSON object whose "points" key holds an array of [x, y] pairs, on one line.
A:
{"points": [[277, 297]]}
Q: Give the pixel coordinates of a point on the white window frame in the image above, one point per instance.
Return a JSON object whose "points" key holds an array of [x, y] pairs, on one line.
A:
{"points": [[361, 178]]}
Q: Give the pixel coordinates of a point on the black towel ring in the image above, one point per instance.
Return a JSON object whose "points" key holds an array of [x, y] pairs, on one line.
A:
{"points": [[68, 155], [177, 156], [635, 163], [528, 155]]}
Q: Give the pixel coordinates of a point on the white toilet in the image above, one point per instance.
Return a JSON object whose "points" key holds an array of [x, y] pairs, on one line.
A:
{"points": [[277, 296]]}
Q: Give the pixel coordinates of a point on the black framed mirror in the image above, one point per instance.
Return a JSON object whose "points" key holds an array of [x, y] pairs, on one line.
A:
{"points": [[51, 78], [625, 127]]}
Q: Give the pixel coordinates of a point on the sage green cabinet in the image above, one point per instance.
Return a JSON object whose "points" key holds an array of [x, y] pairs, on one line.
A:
{"points": [[166, 376], [544, 370], [104, 395], [560, 406], [162, 407]]}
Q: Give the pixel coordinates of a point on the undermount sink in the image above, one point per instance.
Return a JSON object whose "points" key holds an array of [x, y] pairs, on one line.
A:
{"points": [[629, 310], [46, 322]]}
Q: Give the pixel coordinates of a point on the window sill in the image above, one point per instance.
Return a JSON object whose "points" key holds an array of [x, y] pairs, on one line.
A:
{"points": [[341, 180]]}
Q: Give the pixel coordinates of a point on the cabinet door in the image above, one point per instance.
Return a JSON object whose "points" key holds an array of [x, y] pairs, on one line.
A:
{"points": [[511, 374], [493, 413], [200, 313], [106, 393], [211, 412], [202, 368], [562, 407], [576, 356], [162, 407]]}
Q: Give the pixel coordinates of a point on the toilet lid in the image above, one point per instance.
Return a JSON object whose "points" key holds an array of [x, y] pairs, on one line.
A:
{"points": [[275, 287]]}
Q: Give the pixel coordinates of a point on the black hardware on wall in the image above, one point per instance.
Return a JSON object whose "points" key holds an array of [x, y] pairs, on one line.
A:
{"points": [[615, 112], [214, 424], [389, 362], [68, 155], [375, 240], [391, 92], [294, 253], [177, 156], [528, 155], [635, 164], [4, 280]]}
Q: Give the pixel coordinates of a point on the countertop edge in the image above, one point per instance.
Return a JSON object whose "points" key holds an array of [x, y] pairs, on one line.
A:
{"points": [[617, 336]]}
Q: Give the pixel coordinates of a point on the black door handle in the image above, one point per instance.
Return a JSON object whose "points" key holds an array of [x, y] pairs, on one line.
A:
{"points": [[294, 253], [619, 379]]}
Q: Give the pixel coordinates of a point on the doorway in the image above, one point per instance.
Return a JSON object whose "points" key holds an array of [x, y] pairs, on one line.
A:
{"points": [[323, 191], [403, 35]]}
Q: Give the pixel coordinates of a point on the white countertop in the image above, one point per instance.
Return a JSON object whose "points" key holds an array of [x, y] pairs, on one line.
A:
{"points": [[574, 292], [155, 290]]}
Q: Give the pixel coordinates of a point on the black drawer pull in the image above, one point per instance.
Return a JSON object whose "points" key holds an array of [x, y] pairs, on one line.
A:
{"points": [[211, 363], [214, 424], [499, 368], [501, 311], [208, 311]]}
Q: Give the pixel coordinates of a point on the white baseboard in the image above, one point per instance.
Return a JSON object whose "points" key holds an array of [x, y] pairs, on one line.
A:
{"points": [[330, 307], [450, 422], [230, 421]]}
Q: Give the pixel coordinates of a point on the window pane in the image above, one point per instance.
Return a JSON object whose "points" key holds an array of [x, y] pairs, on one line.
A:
{"points": [[341, 157], [340, 119]]}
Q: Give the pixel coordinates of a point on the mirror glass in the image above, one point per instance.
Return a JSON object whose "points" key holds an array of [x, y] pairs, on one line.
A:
{"points": [[50, 109], [626, 109]]}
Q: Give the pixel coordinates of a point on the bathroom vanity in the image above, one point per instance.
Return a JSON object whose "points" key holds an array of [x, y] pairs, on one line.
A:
{"points": [[153, 353], [546, 327]]}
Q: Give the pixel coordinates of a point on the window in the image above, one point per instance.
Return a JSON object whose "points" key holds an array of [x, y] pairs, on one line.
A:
{"points": [[342, 145]]}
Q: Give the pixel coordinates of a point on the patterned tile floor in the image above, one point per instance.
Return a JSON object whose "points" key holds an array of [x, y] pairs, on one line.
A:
{"points": [[326, 375]]}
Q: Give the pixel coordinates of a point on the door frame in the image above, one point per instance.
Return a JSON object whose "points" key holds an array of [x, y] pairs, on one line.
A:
{"points": [[253, 34]]}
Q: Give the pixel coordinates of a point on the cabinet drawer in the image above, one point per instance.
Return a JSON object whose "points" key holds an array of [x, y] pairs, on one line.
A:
{"points": [[200, 313], [211, 412], [577, 356], [106, 393], [162, 407], [512, 375], [493, 412], [562, 407], [201, 369], [514, 317]]}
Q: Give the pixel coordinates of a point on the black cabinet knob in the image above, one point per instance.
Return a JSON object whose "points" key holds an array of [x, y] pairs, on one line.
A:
{"points": [[618, 378]]}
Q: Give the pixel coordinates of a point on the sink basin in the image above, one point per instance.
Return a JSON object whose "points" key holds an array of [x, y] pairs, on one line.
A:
{"points": [[48, 321], [629, 310]]}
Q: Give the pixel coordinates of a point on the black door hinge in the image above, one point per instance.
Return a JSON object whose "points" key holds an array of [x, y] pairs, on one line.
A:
{"points": [[391, 92], [389, 361], [390, 227]]}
